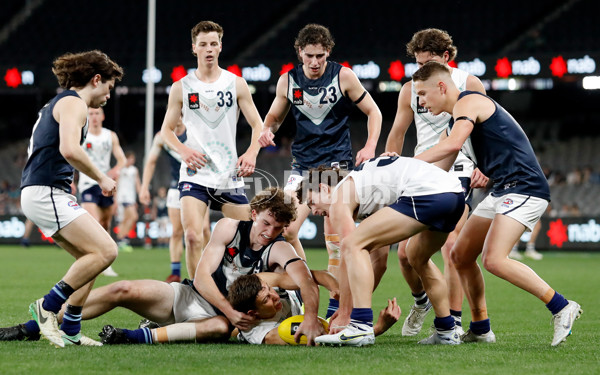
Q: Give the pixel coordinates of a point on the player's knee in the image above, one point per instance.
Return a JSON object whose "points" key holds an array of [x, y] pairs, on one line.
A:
{"points": [[347, 246], [120, 291], [447, 248], [219, 329], [403, 259], [492, 264], [458, 259], [416, 262], [108, 253], [193, 238], [177, 231]]}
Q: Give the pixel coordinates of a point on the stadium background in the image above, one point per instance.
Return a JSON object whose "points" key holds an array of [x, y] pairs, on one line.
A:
{"points": [[538, 59]]}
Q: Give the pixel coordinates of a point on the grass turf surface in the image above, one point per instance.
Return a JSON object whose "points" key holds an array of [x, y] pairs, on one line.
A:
{"points": [[520, 321]]}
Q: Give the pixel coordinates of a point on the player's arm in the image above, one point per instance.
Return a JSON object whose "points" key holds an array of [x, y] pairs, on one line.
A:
{"points": [[118, 154], [149, 168], [478, 179], [210, 260], [192, 158], [285, 281], [138, 184], [247, 162], [283, 254], [273, 338], [466, 108], [355, 91], [447, 162], [277, 112], [71, 114], [404, 117]]}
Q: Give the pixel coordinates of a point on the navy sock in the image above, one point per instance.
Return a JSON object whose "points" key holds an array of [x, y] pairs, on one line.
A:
{"points": [[557, 303], [421, 299], [140, 335], [332, 308], [444, 324], [32, 326], [457, 315], [363, 316], [176, 268], [58, 295], [480, 327], [71, 324]]}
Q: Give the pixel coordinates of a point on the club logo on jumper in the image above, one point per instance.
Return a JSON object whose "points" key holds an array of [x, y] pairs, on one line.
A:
{"points": [[231, 253], [507, 202], [186, 187], [193, 100], [190, 172], [74, 205], [420, 108], [298, 97]]}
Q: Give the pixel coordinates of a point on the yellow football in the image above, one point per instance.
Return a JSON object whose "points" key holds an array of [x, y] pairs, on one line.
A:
{"points": [[287, 329]]}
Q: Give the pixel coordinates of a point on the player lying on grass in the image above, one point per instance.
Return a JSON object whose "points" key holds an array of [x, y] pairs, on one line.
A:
{"points": [[256, 295], [236, 248]]}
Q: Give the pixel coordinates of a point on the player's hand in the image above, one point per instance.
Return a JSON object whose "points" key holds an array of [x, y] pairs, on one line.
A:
{"points": [[387, 317], [246, 164], [311, 328], [193, 158], [73, 188], [390, 153], [339, 320], [114, 173], [242, 321], [266, 138], [145, 196], [368, 152], [108, 186], [478, 179]]}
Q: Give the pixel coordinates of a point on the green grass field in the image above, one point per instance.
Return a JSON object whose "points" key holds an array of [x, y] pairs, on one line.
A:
{"points": [[520, 321]]}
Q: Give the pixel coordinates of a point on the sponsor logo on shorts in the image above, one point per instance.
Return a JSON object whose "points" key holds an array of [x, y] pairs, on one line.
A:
{"points": [[297, 97], [74, 205], [507, 202], [193, 100], [186, 187], [292, 180], [87, 197]]}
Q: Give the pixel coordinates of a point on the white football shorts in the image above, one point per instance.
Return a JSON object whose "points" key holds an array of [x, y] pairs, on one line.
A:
{"points": [[525, 209], [173, 199], [188, 305], [293, 181], [50, 208]]}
